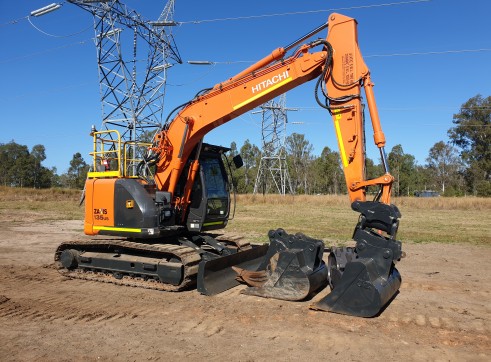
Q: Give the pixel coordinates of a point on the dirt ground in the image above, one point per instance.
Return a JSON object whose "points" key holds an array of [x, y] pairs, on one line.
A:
{"points": [[443, 312]]}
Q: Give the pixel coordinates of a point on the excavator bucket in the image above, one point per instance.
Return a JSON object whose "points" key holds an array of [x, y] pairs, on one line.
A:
{"points": [[364, 279], [291, 270], [217, 275], [362, 290]]}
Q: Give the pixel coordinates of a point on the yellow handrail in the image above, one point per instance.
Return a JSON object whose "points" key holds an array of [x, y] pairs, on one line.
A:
{"points": [[107, 148], [113, 158]]}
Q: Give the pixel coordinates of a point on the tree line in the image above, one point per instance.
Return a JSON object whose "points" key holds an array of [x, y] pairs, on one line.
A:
{"points": [[459, 167], [22, 167]]}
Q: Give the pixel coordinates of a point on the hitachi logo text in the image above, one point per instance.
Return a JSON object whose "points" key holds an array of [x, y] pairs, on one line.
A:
{"points": [[268, 83]]}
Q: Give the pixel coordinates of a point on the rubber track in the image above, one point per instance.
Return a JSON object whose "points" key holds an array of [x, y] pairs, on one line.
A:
{"points": [[188, 256]]}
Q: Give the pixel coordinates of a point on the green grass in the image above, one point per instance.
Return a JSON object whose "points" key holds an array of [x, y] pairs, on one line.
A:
{"points": [[330, 222], [330, 218], [18, 205]]}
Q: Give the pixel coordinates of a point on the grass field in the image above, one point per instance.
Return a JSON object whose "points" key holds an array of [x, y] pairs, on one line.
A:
{"points": [[330, 218]]}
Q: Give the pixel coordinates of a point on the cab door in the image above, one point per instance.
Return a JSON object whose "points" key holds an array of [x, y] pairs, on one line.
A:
{"points": [[210, 205]]}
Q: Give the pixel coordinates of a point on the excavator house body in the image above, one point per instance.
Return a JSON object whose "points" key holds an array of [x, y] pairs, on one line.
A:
{"points": [[130, 207]]}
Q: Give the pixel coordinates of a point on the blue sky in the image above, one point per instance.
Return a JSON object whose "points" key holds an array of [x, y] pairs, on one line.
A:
{"points": [[423, 57]]}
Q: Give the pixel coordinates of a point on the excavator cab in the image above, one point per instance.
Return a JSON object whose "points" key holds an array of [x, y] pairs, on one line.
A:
{"points": [[210, 205]]}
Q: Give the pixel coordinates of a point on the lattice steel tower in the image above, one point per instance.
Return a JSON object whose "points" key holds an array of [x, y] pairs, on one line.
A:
{"points": [[132, 77], [273, 170]]}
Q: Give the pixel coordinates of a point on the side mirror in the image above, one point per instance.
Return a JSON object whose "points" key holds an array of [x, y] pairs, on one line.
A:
{"points": [[238, 162]]}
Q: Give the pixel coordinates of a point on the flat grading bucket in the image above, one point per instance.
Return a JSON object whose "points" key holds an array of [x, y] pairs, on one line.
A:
{"points": [[292, 269], [363, 281], [216, 275]]}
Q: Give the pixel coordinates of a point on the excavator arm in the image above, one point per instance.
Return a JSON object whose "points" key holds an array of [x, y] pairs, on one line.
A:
{"points": [[344, 79], [341, 72]]}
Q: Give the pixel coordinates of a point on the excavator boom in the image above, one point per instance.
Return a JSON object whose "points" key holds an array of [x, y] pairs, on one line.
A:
{"points": [[341, 72]]}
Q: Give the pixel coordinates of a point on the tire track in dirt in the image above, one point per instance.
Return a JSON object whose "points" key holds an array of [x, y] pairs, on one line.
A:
{"points": [[43, 295], [202, 326], [40, 310]]}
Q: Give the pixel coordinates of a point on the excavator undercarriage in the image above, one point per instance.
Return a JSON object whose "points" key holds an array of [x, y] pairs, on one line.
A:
{"points": [[171, 264]]}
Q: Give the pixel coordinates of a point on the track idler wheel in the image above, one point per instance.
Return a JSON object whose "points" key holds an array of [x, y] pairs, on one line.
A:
{"points": [[69, 258], [292, 268]]}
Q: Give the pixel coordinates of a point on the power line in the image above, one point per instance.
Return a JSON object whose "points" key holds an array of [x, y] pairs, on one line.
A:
{"points": [[39, 12], [228, 62], [47, 91], [467, 125], [28, 17], [301, 12], [82, 42], [54, 35], [15, 21], [429, 53], [380, 55], [405, 109]]}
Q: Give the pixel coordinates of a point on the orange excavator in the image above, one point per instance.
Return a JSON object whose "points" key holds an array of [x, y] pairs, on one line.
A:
{"points": [[157, 228]]}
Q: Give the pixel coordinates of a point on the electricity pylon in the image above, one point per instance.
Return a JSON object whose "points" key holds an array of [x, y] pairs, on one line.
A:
{"points": [[273, 170], [132, 77]]}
